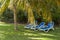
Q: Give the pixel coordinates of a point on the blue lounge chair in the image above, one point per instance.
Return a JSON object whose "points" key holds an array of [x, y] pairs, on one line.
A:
{"points": [[31, 26], [28, 26], [48, 27], [41, 25], [34, 25]]}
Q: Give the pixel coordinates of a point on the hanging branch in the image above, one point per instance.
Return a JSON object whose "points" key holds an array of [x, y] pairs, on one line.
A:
{"points": [[4, 6]]}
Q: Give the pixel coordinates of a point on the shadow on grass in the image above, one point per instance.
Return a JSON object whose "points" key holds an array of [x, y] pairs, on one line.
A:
{"points": [[39, 35], [8, 33]]}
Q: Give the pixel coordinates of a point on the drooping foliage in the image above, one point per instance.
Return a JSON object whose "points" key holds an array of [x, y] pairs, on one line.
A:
{"points": [[47, 10], [4, 5]]}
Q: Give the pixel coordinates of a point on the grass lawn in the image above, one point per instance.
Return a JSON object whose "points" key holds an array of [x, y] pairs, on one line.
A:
{"points": [[7, 33]]}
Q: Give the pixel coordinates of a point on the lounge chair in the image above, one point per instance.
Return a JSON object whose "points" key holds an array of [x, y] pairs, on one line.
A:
{"points": [[28, 26], [41, 25], [48, 27]]}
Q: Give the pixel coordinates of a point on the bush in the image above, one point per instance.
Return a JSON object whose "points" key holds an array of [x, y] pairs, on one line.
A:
{"points": [[7, 16]]}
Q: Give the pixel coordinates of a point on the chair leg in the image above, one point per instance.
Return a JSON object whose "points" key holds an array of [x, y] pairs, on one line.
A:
{"points": [[52, 28], [46, 30]]}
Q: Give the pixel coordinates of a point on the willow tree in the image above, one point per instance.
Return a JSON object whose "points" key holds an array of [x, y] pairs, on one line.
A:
{"points": [[47, 17], [5, 5], [58, 2], [15, 14], [17, 5], [13, 7], [35, 4], [29, 10], [58, 5], [42, 6]]}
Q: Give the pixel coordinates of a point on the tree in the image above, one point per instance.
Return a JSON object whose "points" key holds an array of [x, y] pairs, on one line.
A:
{"points": [[4, 6], [14, 9], [29, 10]]}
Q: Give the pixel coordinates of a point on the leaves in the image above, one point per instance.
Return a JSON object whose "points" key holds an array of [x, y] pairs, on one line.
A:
{"points": [[4, 6]]}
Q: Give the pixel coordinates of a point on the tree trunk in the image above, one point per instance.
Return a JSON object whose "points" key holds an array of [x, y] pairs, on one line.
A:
{"points": [[14, 8], [28, 8], [31, 18], [15, 19]]}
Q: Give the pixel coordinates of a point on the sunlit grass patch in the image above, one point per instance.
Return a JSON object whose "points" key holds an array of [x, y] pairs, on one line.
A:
{"points": [[7, 32]]}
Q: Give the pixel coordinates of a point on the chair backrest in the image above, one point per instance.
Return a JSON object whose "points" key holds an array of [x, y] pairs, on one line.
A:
{"points": [[50, 24], [42, 23]]}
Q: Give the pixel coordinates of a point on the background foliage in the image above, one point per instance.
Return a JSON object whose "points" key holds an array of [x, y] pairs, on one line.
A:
{"points": [[48, 6]]}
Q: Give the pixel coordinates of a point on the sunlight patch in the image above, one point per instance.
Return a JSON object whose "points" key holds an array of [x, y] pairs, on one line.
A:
{"points": [[47, 34], [4, 25], [30, 34], [2, 36], [39, 38], [2, 31], [2, 22], [36, 38]]}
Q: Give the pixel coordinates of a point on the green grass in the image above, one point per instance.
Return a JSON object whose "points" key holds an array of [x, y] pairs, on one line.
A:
{"points": [[7, 32]]}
